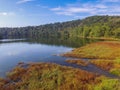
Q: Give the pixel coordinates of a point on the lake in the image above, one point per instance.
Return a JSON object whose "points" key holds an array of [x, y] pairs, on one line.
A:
{"points": [[13, 51]]}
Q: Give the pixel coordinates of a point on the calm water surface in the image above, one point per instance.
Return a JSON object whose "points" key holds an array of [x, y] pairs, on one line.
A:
{"points": [[13, 51]]}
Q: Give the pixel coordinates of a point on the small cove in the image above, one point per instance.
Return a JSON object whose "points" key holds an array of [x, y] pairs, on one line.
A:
{"points": [[14, 51]]}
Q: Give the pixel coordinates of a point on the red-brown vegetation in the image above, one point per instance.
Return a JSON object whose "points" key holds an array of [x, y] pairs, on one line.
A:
{"points": [[60, 77], [78, 62]]}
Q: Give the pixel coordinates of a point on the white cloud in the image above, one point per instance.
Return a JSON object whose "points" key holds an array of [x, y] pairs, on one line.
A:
{"points": [[81, 16], [111, 0], [24, 1], [69, 11], [3, 13], [7, 13], [56, 9], [79, 9], [65, 13]]}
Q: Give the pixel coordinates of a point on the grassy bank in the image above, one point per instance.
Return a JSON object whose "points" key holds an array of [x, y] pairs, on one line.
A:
{"points": [[99, 50], [46, 76], [105, 54], [113, 66]]}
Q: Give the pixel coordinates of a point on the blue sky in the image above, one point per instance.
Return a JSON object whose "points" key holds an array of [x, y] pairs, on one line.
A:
{"points": [[16, 13]]}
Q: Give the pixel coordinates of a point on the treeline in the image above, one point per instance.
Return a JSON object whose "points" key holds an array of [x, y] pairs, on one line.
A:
{"points": [[48, 30], [98, 26], [95, 26]]}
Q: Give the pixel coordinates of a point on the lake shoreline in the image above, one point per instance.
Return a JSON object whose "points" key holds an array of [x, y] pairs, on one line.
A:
{"points": [[104, 54], [20, 76], [38, 74]]}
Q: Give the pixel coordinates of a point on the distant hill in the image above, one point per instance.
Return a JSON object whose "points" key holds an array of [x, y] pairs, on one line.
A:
{"points": [[99, 26], [92, 27]]}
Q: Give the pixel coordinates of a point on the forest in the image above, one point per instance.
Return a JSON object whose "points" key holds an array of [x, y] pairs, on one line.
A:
{"points": [[90, 27]]}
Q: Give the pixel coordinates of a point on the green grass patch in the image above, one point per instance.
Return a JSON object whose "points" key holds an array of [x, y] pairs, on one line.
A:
{"points": [[115, 71], [108, 84], [99, 50]]}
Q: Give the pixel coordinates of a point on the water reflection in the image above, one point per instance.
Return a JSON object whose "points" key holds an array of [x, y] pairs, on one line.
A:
{"points": [[67, 42], [35, 50]]}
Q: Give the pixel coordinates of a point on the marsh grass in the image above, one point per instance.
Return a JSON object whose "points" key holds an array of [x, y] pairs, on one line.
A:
{"points": [[106, 55], [108, 84], [113, 66], [78, 62], [46, 76], [99, 50]]}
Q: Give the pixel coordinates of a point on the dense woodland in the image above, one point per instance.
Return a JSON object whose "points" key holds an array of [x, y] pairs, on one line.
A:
{"points": [[95, 26]]}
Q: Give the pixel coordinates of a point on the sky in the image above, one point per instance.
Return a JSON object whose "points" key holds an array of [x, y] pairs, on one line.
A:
{"points": [[19, 13]]}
